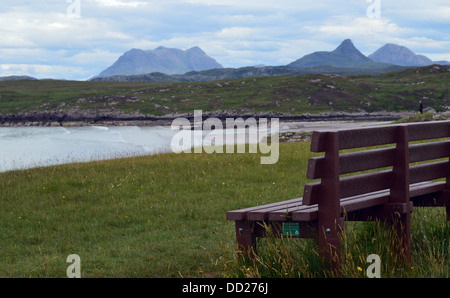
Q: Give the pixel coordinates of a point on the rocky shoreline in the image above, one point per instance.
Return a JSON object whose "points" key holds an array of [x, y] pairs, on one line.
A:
{"points": [[90, 118]]}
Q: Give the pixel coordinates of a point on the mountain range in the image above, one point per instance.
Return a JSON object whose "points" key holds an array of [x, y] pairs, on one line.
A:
{"points": [[164, 64], [345, 55], [193, 65], [17, 78], [161, 59]]}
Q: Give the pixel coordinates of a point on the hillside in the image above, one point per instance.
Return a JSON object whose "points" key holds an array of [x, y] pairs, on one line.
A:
{"points": [[247, 72], [295, 95], [17, 78]]}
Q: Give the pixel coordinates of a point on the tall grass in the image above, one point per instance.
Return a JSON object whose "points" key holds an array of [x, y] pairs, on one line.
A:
{"points": [[292, 257], [164, 216]]}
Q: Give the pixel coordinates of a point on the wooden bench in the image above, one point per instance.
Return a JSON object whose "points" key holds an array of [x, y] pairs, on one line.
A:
{"points": [[403, 175]]}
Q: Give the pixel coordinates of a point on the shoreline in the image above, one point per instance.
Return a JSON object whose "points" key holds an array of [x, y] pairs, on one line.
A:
{"points": [[51, 119], [118, 142]]}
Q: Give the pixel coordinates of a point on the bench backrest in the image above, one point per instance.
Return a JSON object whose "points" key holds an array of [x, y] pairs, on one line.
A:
{"points": [[397, 158]]}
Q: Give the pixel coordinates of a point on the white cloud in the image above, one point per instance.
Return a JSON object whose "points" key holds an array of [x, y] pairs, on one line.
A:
{"points": [[118, 3], [234, 32], [43, 71], [437, 57], [430, 11], [370, 34], [285, 5], [358, 27], [53, 30]]}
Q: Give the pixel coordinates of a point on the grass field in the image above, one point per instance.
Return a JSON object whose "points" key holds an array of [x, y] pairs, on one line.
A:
{"points": [[164, 216], [294, 95]]}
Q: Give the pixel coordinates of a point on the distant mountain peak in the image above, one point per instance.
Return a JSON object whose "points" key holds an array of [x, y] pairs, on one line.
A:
{"points": [[162, 59], [399, 55], [347, 48], [345, 55], [346, 45], [197, 50]]}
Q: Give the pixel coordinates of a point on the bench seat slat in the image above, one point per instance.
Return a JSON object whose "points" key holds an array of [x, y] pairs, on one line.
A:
{"points": [[263, 213], [365, 201], [294, 209], [242, 213], [303, 213], [309, 213]]}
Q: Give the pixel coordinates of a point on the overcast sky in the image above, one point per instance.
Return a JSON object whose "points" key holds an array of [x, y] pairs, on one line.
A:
{"points": [[55, 39]]}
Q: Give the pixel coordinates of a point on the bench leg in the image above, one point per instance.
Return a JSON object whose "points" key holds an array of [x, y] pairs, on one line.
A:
{"points": [[444, 200], [245, 236], [402, 227], [330, 243]]}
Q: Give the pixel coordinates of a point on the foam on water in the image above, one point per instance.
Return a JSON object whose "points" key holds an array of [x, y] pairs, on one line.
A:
{"points": [[28, 147]]}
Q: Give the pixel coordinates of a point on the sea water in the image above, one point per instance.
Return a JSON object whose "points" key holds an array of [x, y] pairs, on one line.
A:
{"points": [[28, 147]]}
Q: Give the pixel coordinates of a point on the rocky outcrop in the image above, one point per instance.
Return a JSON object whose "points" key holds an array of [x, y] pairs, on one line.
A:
{"points": [[87, 117]]}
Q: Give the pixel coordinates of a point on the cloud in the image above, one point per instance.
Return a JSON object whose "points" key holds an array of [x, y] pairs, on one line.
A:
{"points": [[42, 71], [113, 3], [358, 27], [49, 30], [234, 32], [428, 12]]}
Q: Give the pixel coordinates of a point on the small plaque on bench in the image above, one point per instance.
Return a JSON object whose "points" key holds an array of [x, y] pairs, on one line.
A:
{"points": [[291, 229]]}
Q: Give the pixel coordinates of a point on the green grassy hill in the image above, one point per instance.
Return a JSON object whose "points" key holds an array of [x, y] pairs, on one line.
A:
{"points": [[292, 95]]}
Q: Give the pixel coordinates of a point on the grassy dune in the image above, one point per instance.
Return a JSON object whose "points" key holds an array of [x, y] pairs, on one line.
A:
{"points": [[164, 216]]}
